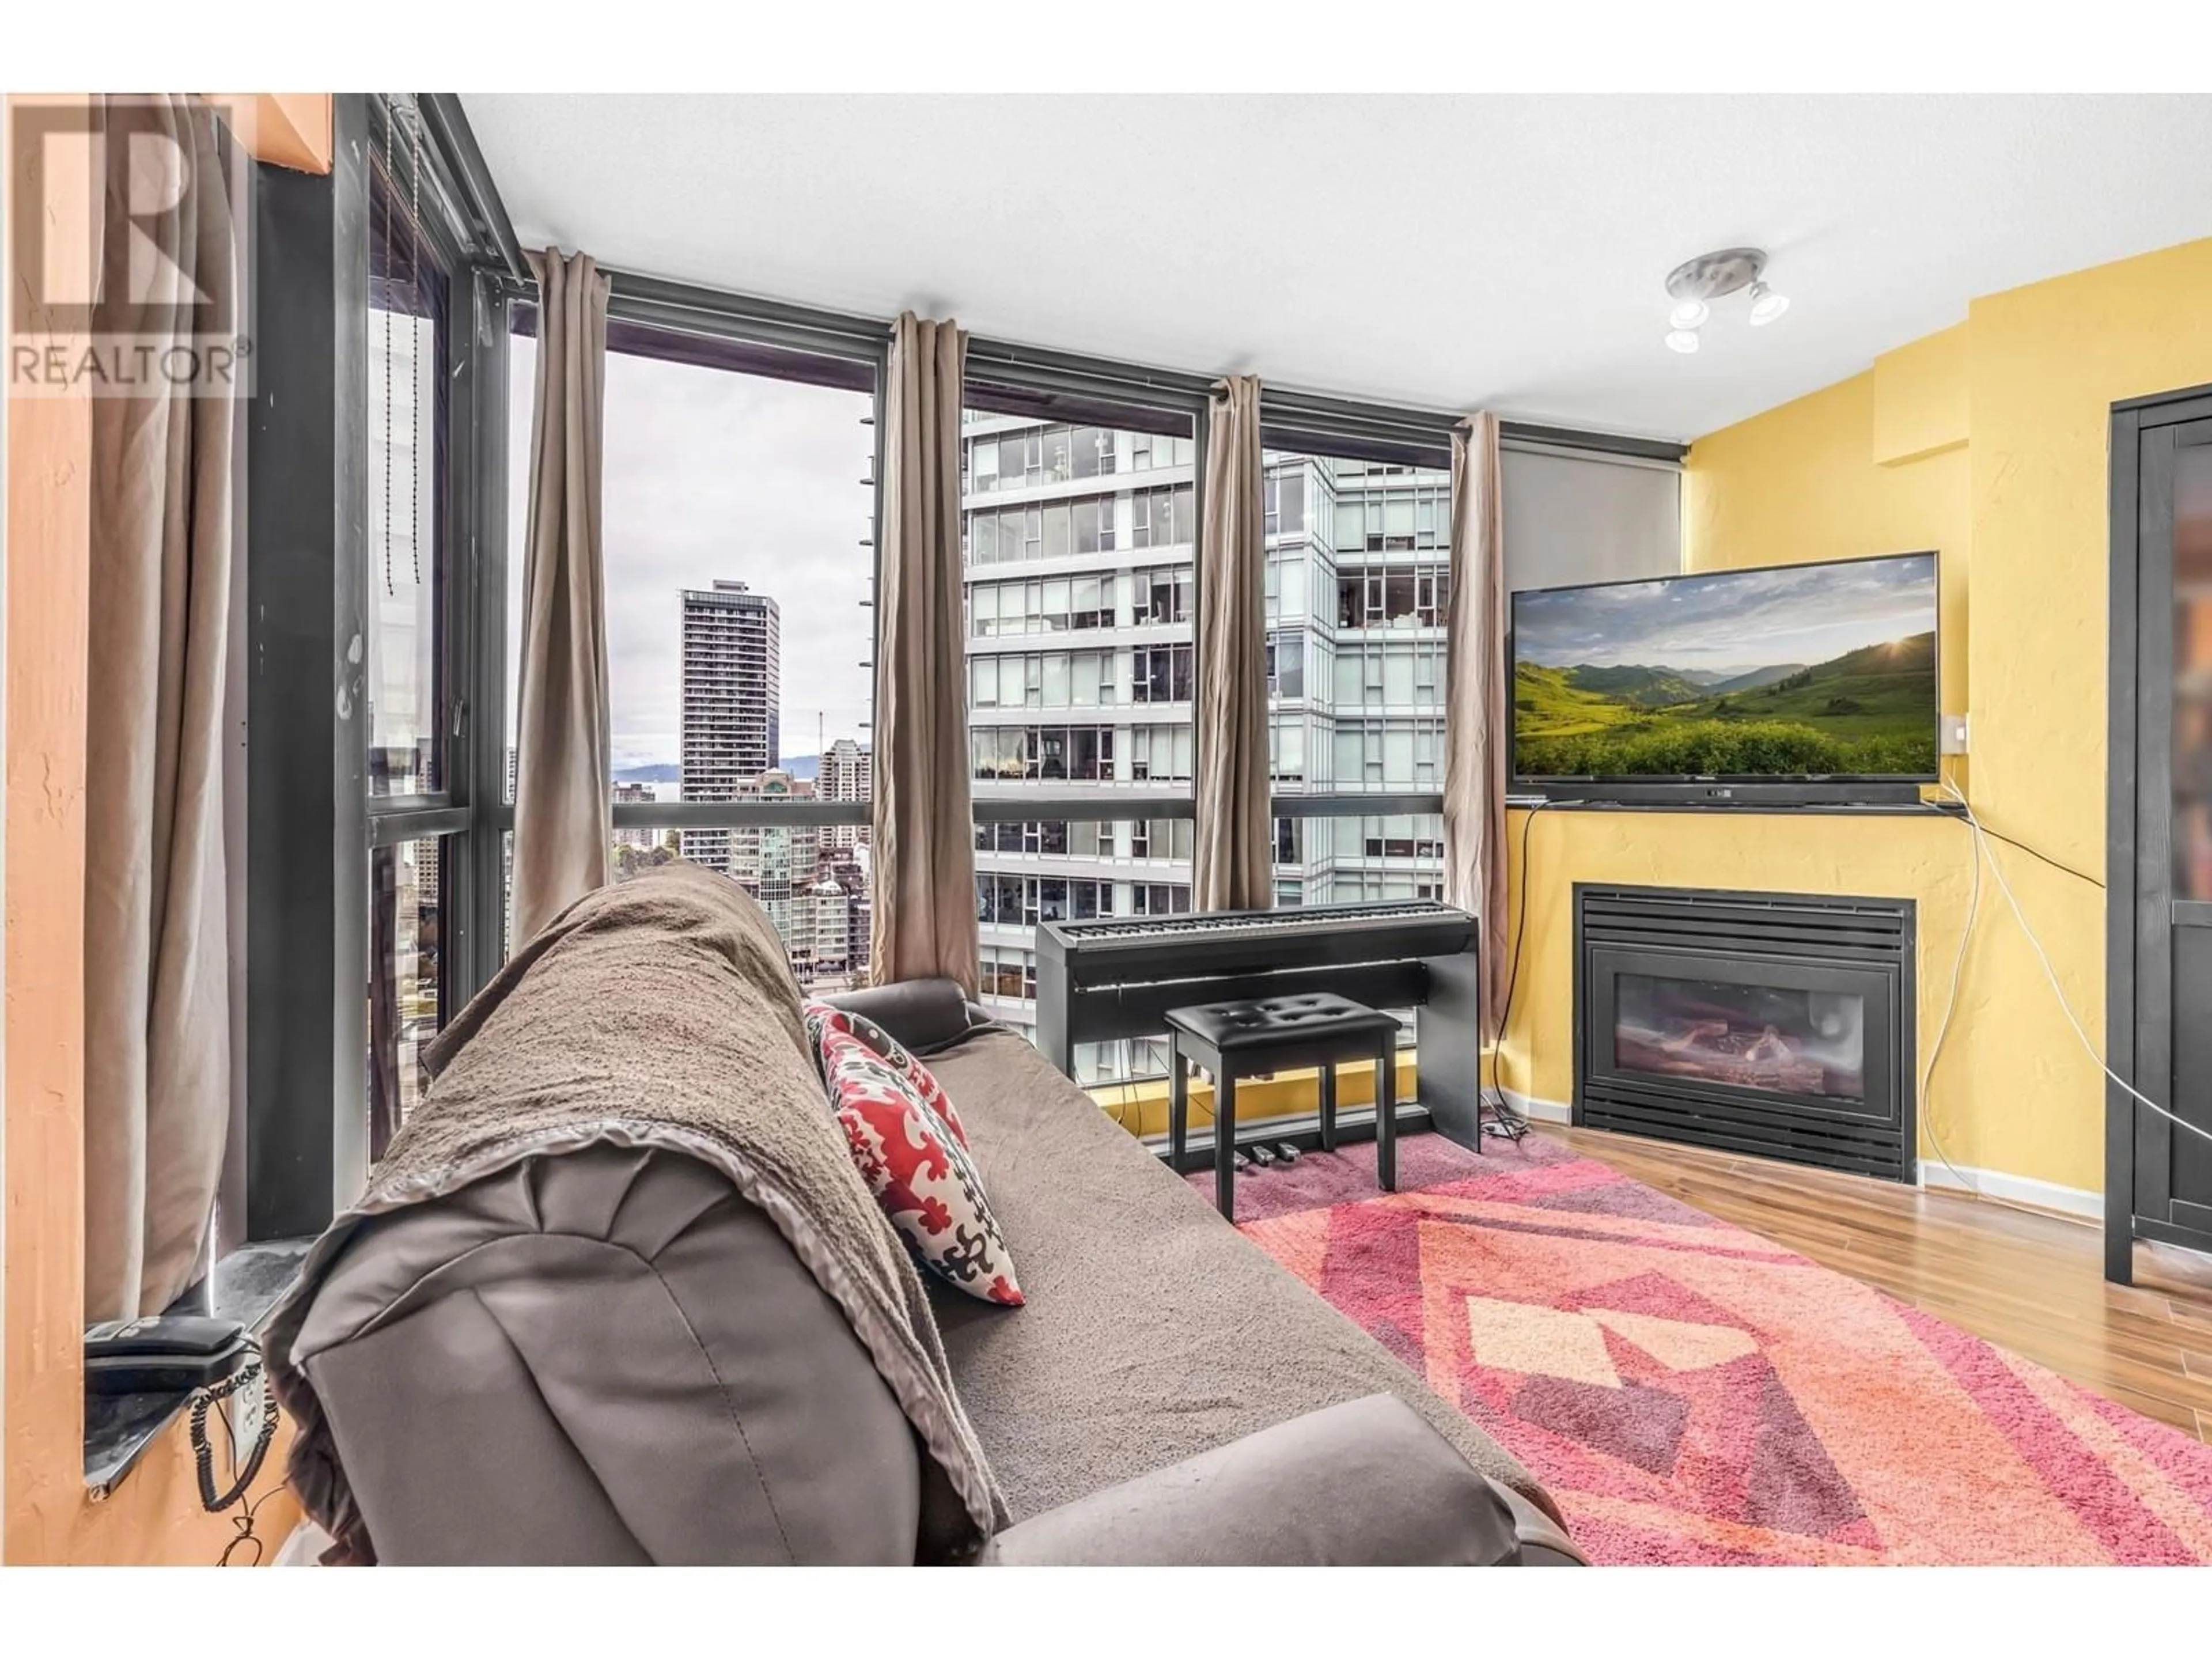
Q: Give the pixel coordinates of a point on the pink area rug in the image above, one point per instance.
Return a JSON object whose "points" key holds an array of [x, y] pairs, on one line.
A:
{"points": [[1691, 1392]]}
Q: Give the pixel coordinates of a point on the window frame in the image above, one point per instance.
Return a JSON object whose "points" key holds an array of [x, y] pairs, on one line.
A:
{"points": [[447, 814], [309, 966], [310, 824], [713, 329]]}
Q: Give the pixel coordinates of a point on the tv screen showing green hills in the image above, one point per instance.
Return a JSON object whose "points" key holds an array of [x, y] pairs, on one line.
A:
{"points": [[1821, 670]]}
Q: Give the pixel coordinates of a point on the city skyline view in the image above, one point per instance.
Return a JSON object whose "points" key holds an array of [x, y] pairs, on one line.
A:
{"points": [[739, 575], [714, 476]]}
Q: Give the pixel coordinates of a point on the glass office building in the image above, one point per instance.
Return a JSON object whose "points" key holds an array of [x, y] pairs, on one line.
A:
{"points": [[1081, 548]]}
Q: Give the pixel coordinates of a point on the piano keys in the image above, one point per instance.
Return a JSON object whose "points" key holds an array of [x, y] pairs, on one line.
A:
{"points": [[1114, 978]]}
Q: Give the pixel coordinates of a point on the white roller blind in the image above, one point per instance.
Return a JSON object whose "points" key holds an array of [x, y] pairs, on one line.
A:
{"points": [[1572, 519]]}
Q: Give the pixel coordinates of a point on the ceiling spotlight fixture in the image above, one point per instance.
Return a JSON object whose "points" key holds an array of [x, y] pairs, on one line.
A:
{"points": [[1695, 283], [1709, 276]]}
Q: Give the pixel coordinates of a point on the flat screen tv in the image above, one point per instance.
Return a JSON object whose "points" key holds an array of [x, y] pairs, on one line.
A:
{"points": [[1795, 674]]}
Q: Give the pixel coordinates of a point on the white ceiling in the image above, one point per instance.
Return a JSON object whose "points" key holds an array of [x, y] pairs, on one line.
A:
{"points": [[1452, 252]]}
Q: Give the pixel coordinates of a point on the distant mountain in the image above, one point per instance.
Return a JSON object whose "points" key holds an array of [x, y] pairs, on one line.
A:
{"points": [[1913, 654], [1895, 679], [1653, 688], [1753, 678], [798, 766], [1869, 711]]}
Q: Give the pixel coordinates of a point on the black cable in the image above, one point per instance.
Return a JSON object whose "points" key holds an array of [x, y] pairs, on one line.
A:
{"points": [[1510, 1123], [2064, 869], [209, 1400], [243, 1521], [1520, 922]]}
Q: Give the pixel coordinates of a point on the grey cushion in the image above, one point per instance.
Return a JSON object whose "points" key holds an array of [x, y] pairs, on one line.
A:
{"points": [[605, 1357], [1364, 1484], [926, 1015], [1153, 1330]]}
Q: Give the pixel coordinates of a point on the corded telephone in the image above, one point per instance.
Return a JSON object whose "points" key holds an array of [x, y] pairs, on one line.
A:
{"points": [[175, 1354], [167, 1354]]}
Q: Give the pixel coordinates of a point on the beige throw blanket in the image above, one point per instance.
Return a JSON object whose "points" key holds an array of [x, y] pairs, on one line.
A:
{"points": [[659, 1013]]}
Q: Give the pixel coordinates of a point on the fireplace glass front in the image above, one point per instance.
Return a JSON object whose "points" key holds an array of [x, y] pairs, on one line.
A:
{"points": [[1773, 1038]]}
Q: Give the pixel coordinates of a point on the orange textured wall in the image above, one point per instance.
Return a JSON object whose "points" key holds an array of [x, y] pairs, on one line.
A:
{"points": [[284, 129], [154, 1515]]}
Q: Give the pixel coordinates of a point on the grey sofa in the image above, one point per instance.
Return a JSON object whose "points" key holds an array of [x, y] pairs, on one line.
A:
{"points": [[609, 1357]]}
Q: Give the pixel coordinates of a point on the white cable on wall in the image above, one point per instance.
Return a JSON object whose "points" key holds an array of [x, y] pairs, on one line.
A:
{"points": [[1982, 850]]}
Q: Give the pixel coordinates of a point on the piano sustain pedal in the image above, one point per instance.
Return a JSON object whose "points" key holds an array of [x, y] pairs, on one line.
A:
{"points": [[1285, 1153]]}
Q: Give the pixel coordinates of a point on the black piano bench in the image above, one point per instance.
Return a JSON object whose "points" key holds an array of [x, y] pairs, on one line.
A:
{"points": [[1279, 1034]]}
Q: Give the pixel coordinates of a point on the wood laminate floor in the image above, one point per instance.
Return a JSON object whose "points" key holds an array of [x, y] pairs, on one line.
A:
{"points": [[2027, 1281]]}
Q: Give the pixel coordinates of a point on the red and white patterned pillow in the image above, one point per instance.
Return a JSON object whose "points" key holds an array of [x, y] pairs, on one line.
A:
{"points": [[916, 1163], [823, 1017]]}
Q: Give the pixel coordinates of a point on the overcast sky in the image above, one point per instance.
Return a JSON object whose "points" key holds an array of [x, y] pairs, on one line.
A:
{"points": [[712, 474], [1735, 621]]}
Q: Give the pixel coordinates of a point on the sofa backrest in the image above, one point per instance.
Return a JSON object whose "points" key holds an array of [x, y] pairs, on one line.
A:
{"points": [[605, 1356]]}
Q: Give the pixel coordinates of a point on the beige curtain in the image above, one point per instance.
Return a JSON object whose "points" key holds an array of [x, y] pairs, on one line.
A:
{"points": [[563, 780], [1234, 867], [924, 920], [157, 992], [1476, 731]]}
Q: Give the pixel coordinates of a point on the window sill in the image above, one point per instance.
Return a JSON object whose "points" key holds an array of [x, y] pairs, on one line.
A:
{"points": [[119, 1427]]}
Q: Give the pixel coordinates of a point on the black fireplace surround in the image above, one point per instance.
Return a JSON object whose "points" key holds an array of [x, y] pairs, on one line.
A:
{"points": [[1773, 1024]]}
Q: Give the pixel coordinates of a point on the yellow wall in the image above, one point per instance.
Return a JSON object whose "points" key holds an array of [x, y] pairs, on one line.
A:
{"points": [[1987, 442]]}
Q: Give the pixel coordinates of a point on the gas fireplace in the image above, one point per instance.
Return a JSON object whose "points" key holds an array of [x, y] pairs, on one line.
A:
{"points": [[1778, 1024]]}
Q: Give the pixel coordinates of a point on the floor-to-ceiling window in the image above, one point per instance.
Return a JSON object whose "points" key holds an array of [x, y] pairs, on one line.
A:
{"points": [[1079, 540], [1358, 582], [738, 524], [408, 695], [738, 511]]}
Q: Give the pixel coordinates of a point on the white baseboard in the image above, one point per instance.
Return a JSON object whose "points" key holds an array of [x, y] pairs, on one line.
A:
{"points": [[1937, 1176], [1538, 1110], [1933, 1174]]}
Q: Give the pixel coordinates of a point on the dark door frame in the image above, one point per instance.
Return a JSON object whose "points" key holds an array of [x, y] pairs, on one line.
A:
{"points": [[2129, 784]]}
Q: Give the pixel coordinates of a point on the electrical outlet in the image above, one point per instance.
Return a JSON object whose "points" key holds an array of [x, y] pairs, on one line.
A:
{"points": [[244, 1409], [1952, 728]]}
